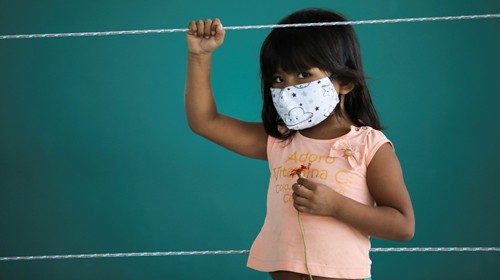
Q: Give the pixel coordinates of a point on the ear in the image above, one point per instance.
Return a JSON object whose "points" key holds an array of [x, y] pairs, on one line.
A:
{"points": [[345, 89]]}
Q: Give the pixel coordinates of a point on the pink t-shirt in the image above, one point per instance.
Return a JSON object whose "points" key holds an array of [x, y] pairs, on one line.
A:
{"points": [[334, 249]]}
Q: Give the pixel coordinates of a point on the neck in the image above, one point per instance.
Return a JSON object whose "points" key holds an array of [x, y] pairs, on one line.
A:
{"points": [[332, 127]]}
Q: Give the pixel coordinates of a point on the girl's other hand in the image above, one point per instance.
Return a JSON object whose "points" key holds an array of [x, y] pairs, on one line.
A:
{"points": [[315, 199], [204, 36]]}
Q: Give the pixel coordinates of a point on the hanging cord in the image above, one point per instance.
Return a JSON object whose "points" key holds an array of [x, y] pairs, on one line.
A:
{"points": [[131, 32]]}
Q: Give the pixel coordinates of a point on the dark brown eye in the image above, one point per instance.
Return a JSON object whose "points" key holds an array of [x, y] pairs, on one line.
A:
{"points": [[303, 75], [277, 79]]}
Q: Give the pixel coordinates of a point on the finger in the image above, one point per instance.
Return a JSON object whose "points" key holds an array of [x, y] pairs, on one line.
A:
{"points": [[297, 188], [302, 191], [208, 25], [213, 27], [192, 27], [300, 208], [199, 28], [307, 183], [300, 200], [218, 29]]}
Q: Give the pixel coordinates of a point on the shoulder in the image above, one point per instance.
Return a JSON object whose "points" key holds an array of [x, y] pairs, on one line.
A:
{"points": [[371, 140]]}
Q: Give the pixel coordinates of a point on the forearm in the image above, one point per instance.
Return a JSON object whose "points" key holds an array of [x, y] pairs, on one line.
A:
{"points": [[382, 222], [199, 101]]}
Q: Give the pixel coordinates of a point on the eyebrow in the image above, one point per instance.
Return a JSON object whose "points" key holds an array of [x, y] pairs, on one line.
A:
{"points": [[308, 70]]}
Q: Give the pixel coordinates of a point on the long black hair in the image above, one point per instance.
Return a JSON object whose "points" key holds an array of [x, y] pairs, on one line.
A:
{"points": [[330, 48]]}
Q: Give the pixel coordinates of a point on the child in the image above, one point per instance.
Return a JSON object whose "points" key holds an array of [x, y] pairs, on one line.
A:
{"points": [[316, 110]]}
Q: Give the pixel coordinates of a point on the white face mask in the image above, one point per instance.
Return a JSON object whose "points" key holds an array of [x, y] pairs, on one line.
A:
{"points": [[305, 105]]}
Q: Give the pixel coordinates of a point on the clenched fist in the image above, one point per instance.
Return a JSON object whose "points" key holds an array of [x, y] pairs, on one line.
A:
{"points": [[204, 36]]}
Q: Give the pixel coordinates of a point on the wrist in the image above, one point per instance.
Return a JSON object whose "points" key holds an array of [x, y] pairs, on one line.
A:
{"points": [[337, 204], [199, 56]]}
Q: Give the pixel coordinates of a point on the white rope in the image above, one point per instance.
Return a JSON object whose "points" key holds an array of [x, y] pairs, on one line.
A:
{"points": [[234, 252], [129, 32]]}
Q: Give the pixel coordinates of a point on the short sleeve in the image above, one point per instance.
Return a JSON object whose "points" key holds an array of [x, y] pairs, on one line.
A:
{"points": [[374, 140]]}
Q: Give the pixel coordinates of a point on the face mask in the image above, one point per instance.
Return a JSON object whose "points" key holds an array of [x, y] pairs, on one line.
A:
{"points": [[305, 105]]}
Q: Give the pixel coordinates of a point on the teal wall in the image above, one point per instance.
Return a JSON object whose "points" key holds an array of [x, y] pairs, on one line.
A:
{"points": [[96, 155]]}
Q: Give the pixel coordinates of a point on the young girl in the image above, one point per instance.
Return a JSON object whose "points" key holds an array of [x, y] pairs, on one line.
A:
{"points": [[316, 110]]}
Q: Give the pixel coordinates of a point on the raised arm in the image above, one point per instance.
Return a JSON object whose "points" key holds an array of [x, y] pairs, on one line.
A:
{"points": [[245, 138]]}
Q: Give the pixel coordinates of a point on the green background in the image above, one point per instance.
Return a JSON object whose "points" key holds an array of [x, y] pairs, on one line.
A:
{"points": [[96, 155]]}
